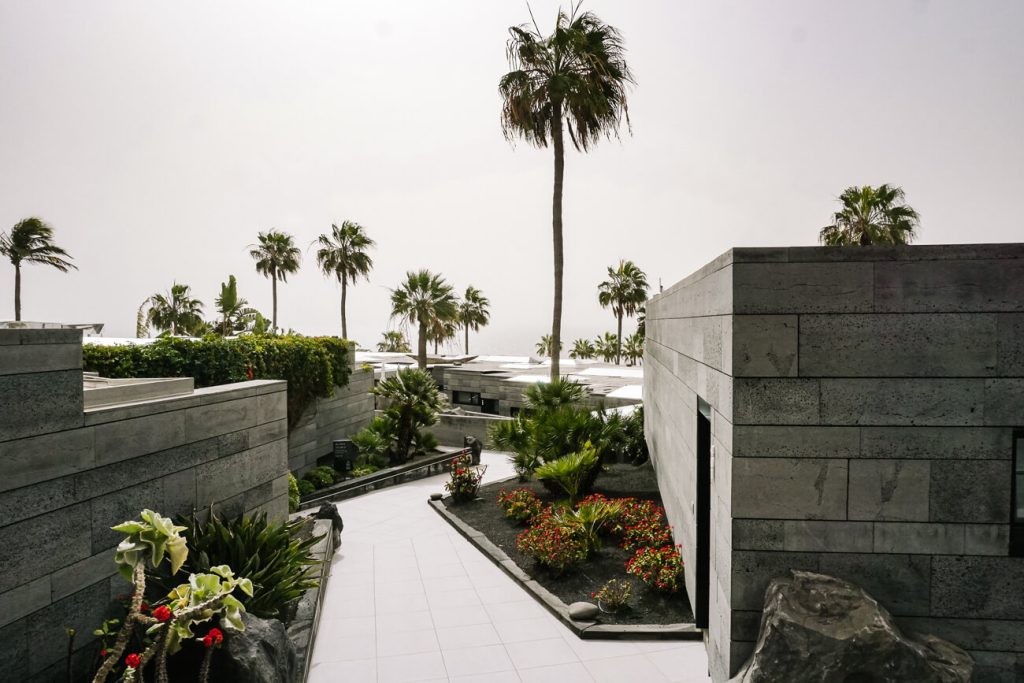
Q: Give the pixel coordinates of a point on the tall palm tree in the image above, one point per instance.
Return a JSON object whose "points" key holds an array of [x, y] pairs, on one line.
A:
{"points": [[574, 79], [624, 292], [141, 328], [343, 255], [393, 341], [176, 311], [235, 314], [441, 331], [606, 347], [276, 257], [583, 349], [31, 241], [871, 215], [423, 299], [474, 312]]}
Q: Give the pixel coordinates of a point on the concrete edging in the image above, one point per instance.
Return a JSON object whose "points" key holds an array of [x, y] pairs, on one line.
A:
{"points": [[302, 631], [587, 630]]}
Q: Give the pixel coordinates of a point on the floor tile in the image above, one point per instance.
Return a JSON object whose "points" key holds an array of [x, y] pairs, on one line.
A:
{"points": [[476, 660], [401, 623], [528, 629], [474, 635], [680, 664], [459, 616], [408, 668], [342, 648], [560, 673], [534, 653], [332, 672], [408, 643], [628, 668]]}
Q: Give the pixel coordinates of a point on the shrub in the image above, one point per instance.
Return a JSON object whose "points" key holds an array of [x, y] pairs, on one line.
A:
{"points": [[293, 493], [465, 479], [423, 442], [659, 568], [413, 402], [364, 470], [313, 366], [551, 544], [305, 488], [589, 520], [375, 442], [321, 476], [520, 505], [641, 524], [613, 596], [570, 473]]}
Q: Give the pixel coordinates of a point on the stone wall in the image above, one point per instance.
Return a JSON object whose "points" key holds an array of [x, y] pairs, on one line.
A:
{"points": [[337, 417], [874, 393], [67, 475], [450, 430]]}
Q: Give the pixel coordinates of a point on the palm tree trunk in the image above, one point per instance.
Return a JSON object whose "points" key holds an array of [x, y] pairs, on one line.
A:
{"points": [[467, 340], [17, 291], [556, 230], [273, 282], [421, 347], [618, 342], [344, 293]]}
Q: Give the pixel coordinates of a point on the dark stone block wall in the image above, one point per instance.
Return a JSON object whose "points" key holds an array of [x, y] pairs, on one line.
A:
{"points": [[67, 475], [337, 417], [864, 404]]}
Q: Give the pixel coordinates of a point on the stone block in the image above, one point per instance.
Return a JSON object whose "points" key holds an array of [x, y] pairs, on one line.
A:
{"points": [[986, 539], [14, 652], [899, 582], [41, 458], [970, 634], [892, 345], [83, 573], [802, 288], [764, 346], [889, 490], [905, 401], [795, 441], [709, 294], [103, 414], [970, 491], [23, 600], [998, 667], [919, 539], [43, 544], [775, 401], [39, 403], [265, 433], [124, 439], [270, 407], [202, 422], [30, 358], [977, 587], [776, 488], [1004, 402], [828, 537], [950, 286], [757, 534], [753, 569], [121, 506], [82, 611], [936, 443], [232, 442], [233, 475], [37, 499], [179, 494], [1010, 344], [12, 337]]}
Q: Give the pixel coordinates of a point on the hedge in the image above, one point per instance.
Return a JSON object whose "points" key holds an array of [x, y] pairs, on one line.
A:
{"points": [[313, 366]]}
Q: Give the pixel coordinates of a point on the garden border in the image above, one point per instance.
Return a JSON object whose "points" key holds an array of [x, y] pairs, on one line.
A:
{"points": [[305, 626], [587, 630]]}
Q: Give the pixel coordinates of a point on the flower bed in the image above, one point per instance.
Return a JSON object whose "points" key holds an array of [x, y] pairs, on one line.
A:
{"points": [[573, 574]]}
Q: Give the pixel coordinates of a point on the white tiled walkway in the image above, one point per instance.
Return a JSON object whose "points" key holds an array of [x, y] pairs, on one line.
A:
{"points": [[411, 600]]}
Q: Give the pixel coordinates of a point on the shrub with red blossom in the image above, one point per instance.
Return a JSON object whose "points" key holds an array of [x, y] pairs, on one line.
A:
{"points": [[660, 568], [465, 479], [552, 544], [520, 505]]}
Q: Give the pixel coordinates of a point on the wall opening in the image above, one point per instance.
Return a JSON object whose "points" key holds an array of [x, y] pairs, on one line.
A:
{"points": [[703, 514], [1017, 496]]}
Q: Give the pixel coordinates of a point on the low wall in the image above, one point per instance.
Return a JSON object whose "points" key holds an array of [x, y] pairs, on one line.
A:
{"points": [[337, 417], [68, 474], [450, 430]]}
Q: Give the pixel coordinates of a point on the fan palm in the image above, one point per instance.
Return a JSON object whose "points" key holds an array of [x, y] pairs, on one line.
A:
{"points": [[423, 299], [343, 255], [235, 314], [176, 311], [607, 346], [474, 312], [441, 332], [582, 349], [393, 341], [871, 216], [276, 257], [31, 241], [574, 79], [544, 348], [633, 348], [413, 401], [624, 292]]}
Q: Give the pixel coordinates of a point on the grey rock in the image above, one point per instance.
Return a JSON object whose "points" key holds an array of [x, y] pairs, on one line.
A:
{"points": [[262, 653], [437, 495], [583, 611], [475, 448], [330, 511], [819, 628]]}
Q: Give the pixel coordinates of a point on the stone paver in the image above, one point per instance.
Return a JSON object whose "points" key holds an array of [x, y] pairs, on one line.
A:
{"points": [[410, 600]]}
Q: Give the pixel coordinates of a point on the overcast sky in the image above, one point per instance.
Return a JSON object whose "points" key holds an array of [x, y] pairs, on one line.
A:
{"points": [[159, 138]]}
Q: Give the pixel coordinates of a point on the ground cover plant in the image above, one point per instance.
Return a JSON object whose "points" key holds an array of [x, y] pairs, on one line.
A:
{"points": [[581, 551]]}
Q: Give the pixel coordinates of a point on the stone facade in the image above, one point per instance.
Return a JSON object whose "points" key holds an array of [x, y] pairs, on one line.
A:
{"points": [[863, 403], [338, 417], [67, 474]]}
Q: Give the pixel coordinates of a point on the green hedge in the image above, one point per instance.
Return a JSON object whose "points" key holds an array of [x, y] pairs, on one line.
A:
{"points": [[313, 366]]}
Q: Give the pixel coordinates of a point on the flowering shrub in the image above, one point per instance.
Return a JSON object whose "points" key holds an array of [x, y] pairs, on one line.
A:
{"points": [[613, 596], [465, 479], [660, 568], [520, 505], [646, 533], [552, 544]]}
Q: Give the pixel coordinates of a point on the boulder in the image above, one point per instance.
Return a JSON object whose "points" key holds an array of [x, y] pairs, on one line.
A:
{"points": [[262, 653], [330, 511], [583, 611], [819, 628], [475, 448]]}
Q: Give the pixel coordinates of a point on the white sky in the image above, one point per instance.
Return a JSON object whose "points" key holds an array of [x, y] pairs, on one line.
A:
{"points": [[159, 138]]}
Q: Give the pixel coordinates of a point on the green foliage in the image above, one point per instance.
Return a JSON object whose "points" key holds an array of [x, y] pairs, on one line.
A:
{"points": [[375, 443], [553, 545], [634, 446], [206, 594], [583, 349], [589, 520], [465, 479], [426, 300], [321, 476], [293, 493], [871, 215], [313, 366], [423, 442], [364, 470], [305, 488], [413, 401], [149, 540], [393, 341], [624, 292], [520, 505], [571, 473]]}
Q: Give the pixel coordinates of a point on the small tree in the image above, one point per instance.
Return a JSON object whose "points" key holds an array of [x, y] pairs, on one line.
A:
{"points": [[31, 241], [235, 314], [176, 311], [544, 347], [413, 401], [583, 349]]}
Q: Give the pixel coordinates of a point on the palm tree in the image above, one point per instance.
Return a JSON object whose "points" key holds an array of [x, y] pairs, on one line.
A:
{"points": [[276, 256], [575, 79], [633, 349], [394, 342], [473, 312], [343, 255], [582, 349], [871, 216], [441, 331], [175, 311], [607, 346], [413, 401], [624, 292], [423, 299], [31, 241], [235, 314], [141, 328], [544, 347]]}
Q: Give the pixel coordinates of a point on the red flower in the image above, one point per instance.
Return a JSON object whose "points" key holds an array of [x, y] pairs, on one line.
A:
{"points": [[214, 637], [144, 607], [103, 653], [161, 613], [248, 371], [132, 661]]}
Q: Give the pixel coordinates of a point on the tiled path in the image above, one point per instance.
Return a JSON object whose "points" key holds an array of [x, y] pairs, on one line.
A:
{"points": [[411, 600]]}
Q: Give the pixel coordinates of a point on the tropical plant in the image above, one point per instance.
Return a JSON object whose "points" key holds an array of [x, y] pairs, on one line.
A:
{"points": [[659, 568], [305, 488], [589, 521], [342, 254], [31, 241], [641, 322], [571, 473], [634, 445], [583, 349], [473, 312], [413, 401], [141, 328], [550, 396], [293, 493], [575, 79], [633, 349], [441, 331], [551, 544], [545, 348], [607, 346], [423, 299], [624, 292], [394, 342], [175, 311], [376, 443], [276, 257], [235, 314], [321, 477], [871, 215], [465, 479]]}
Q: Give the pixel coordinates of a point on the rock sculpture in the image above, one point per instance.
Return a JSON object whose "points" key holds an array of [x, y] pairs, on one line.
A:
{"points": [[330, 511]]}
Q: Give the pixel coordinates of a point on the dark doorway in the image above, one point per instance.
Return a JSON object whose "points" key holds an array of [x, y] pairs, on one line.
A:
{"points": [[703, 505]]}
